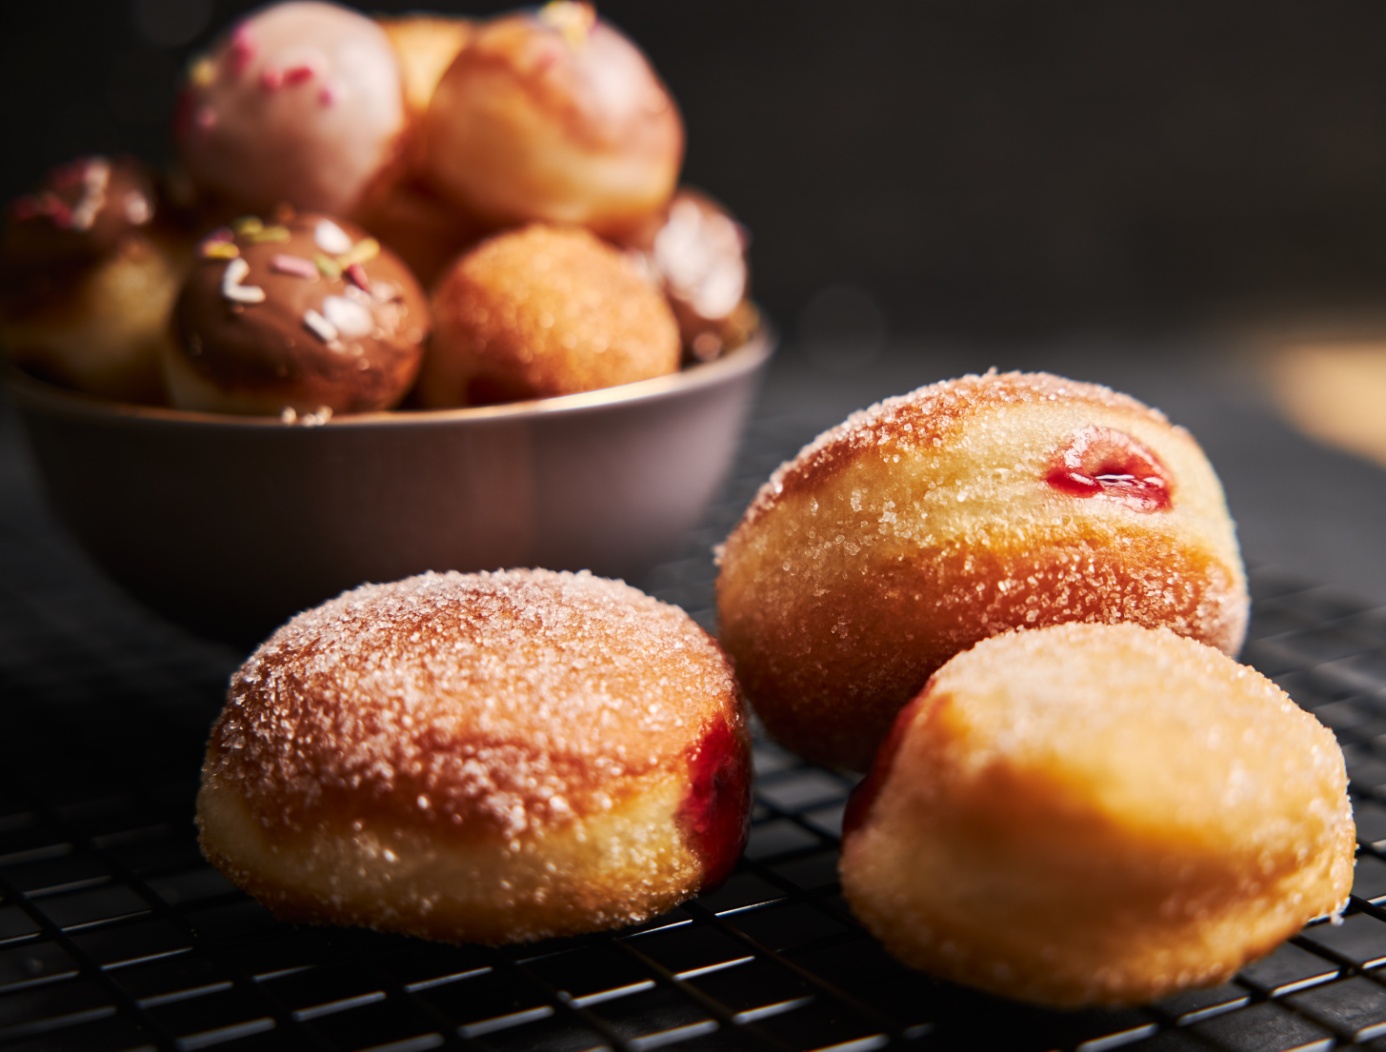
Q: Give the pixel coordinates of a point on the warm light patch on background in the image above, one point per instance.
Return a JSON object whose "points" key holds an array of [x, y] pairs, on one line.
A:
{"points": [[1336, 392]]}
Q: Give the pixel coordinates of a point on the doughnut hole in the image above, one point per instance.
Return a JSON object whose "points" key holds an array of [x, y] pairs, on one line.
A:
{"points": [[90, 262], [553, 116], [697, 253], [301, 103], [296, 317], [544, 311], [1097, 814], [106, 329]]}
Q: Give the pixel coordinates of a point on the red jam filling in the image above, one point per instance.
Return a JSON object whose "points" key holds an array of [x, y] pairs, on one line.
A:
{"points": [[716, 814], [864, 795], [1102, 462]]}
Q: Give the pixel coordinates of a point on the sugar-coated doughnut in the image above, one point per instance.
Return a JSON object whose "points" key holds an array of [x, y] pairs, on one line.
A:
{"points": [[553, 116], [969, 507], [293, 317], [1097, 814], [90, 263], [491, 757], [544, 311], [301, 103]]}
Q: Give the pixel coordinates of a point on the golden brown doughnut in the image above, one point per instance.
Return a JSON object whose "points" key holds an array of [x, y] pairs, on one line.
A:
{"points": [[544, 311], [1097, 814], [553, 116], [969, 507], [490, 757]]}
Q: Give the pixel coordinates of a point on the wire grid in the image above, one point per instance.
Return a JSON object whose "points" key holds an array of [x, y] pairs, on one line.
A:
{"points": [[115, 934]]}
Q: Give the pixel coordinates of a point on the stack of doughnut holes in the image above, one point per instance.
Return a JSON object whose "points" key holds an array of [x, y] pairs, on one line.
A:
{"points": [[424, 212]]}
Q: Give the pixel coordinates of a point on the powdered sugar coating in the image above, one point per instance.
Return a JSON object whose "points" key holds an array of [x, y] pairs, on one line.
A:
{"points": [[498, 704], [930, 521]]}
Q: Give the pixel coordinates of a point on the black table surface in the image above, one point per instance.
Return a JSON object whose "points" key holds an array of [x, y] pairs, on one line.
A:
{"points": [[114, 934]]}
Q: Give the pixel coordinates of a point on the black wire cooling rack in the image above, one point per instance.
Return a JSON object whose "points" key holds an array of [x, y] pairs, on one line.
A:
{"points": [[115, 934]]}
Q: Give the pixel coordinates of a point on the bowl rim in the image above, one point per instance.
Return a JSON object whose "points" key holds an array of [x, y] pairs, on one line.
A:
{"points": [[33, 392]]}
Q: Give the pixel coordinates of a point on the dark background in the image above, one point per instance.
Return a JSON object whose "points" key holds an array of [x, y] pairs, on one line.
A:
{"points": [[967, 169]]}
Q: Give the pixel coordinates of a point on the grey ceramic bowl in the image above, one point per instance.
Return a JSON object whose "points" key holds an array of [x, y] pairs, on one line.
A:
{"points": [[229, 525]]}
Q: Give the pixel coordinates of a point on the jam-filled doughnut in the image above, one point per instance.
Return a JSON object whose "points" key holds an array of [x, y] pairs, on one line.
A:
{"points": [[969, 507], [90, 263], [301, 103], [1097, 814], [490, 758], [295, 316], [544, 311], [553, 116]]}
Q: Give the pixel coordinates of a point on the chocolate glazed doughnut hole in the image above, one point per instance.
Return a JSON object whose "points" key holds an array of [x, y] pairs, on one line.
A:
{"points": [[304, 316], [934, 520]]}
